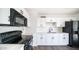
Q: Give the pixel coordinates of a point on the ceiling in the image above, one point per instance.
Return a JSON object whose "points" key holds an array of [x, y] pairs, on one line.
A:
{"points": [[53, 11]]}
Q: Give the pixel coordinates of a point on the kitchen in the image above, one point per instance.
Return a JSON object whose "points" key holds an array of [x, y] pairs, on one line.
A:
{"points": [[45, 25], [50, 28]]}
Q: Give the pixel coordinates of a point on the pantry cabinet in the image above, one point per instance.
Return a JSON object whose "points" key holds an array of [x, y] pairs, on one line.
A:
{"points": [[50, 39]]}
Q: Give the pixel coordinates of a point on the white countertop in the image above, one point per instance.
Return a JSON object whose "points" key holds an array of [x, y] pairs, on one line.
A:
{"points": [[11, 46], [51, 33]]}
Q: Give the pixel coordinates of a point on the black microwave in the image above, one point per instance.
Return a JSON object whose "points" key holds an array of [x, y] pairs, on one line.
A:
{"points": [[17, 19]]}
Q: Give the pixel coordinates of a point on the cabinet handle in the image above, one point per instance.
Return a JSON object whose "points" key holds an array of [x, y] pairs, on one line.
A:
{"points": [[41, 37], [63, 37], [52, 37]]}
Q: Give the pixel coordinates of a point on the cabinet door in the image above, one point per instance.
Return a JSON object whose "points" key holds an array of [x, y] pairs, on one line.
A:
{"points": [[66, 39], [61, 24], [49, 39], [56, 39], [49, 20], [63, 39], [42, 40]]}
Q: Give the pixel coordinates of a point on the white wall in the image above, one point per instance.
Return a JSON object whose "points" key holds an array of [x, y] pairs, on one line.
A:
{"points": [[33, 23], [4, 15]]}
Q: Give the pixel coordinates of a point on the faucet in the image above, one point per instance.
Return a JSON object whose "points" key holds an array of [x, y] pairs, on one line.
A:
{"points": [[50, 29]]}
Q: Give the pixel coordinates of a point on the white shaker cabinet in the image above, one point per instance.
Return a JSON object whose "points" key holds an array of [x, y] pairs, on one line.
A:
{"points": [[50, 39], [57, 39], [41, 39], [65, 38], [50, 20], [62, 39], [60, 24]]}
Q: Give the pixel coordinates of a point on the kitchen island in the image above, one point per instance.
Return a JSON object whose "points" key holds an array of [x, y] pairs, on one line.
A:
{"points": [[50, 39]]}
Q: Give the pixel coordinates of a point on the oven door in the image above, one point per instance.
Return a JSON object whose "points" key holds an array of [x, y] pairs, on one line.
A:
{"points": [[16, 19]]}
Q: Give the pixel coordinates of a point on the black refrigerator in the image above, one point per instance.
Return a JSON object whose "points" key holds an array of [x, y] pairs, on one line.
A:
{"points": [[72, 27]]}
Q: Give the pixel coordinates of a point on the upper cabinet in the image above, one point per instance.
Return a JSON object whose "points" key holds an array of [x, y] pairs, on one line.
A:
{"points": [[60, 24], [50, 20]]}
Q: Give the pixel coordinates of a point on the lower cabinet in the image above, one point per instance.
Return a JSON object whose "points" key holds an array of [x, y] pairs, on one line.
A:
{"points": [[51, 39], [41, 39]]}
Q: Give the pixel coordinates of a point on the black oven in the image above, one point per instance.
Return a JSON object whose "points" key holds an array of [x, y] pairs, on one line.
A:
{"points": [[17, 19]]}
